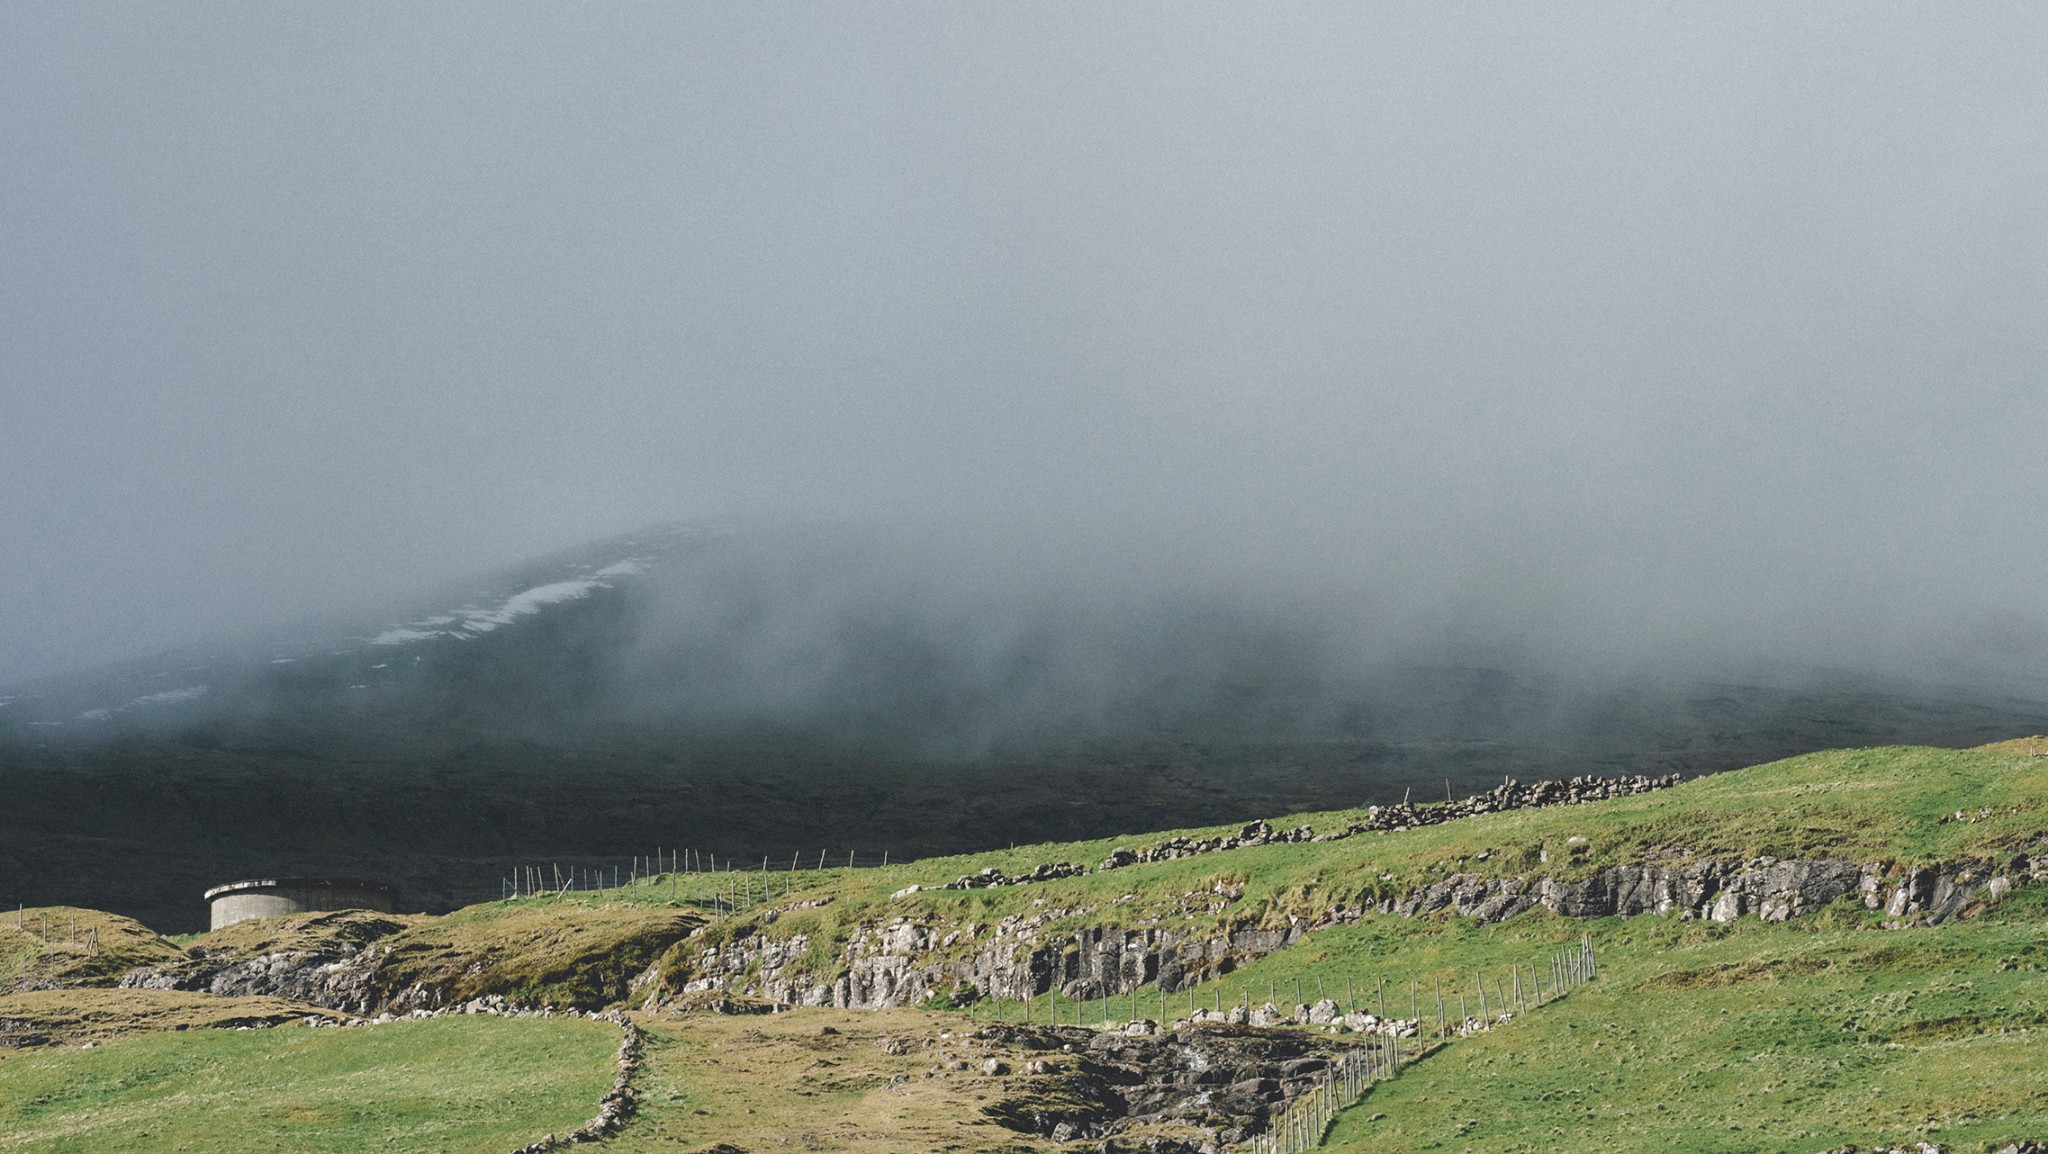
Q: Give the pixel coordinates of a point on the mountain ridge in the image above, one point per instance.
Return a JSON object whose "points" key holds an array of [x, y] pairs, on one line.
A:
{"points": [[816, 688]]}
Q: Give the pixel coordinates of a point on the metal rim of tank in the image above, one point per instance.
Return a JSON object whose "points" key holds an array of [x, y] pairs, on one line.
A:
{"points": [[253, 884]]}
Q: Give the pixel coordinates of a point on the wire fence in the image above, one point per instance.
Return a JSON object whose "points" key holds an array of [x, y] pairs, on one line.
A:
{"points": [[47, 948], [689, 877], [1307, 1119]]}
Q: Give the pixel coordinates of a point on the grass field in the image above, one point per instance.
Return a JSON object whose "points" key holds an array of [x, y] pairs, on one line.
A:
{"points": [[456, 1085], [1875, 805], [1883, 805], [1698, 1036], [1707, 1037]]}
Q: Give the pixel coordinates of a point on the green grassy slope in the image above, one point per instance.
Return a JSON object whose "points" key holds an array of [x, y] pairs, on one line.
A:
{"points": [[1874, 805], [1884, 804], [450, 1085], [1749, 1038], [1699, 1036]]}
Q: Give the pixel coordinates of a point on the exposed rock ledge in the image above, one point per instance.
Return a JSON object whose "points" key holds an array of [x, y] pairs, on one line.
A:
{"points": [[908, 961]]}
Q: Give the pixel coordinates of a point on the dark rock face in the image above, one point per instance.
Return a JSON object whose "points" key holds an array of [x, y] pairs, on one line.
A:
{"points": [[1222, 1083]]}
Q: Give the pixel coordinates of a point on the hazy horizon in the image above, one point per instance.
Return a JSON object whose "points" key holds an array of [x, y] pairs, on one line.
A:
{"points": [[1625, 336]]}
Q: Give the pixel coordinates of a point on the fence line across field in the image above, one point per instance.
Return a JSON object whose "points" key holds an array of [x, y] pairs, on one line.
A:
{"points": [[697, 877], [1307, 1119]]}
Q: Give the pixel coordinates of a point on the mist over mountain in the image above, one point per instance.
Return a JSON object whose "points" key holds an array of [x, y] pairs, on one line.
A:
{"points": [[869, 639], [769, 690], [1068, 418]]}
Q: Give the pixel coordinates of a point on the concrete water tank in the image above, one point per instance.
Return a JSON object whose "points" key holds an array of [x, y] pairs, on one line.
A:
{"points": [[275, 897]]}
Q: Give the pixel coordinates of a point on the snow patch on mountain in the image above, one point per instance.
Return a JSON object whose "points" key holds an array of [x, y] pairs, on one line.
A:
{"points": [[168, 696], [147, 700], [531, 601], [403, 634], [469, 621]]}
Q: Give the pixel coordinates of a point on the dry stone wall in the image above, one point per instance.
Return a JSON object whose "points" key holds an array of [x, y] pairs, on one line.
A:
{"points": [[618, 1104], [991, 876], [1509, 795]]}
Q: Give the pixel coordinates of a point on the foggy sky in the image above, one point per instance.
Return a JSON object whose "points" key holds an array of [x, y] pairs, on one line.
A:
{"points": [[1697, 327]]}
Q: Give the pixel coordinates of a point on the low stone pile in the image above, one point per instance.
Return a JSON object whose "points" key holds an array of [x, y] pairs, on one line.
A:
{"points": [[495, 1005], [1257, 833], [1508, 795], [1323, 1013], [991, 876]]}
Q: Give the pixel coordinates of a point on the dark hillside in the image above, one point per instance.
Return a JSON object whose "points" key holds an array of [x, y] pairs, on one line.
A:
{"points": [[801, 692]]}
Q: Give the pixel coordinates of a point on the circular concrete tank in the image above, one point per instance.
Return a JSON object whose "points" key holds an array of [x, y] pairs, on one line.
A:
{"points": [[275, 897]]}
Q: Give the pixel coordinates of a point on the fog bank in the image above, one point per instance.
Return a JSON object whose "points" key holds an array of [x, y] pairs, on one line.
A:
{"points": [[1624, 338]]}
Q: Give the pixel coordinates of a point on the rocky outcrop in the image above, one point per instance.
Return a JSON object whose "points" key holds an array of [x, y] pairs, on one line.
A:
{"points": [[344, 981], [1326, 1013], [1215, 1085], [907, 960], [1770, 889], [574, 958]]}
